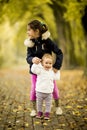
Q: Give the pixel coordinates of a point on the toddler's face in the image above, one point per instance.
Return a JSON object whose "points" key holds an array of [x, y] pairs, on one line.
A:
{"points": [[31, 33], [47, 63]]}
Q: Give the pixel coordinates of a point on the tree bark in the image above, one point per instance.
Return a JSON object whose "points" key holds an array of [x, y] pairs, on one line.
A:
{"points": [[64, 34]]}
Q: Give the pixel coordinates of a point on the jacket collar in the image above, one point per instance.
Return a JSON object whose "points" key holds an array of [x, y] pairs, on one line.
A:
{"points": [[30, 43]]}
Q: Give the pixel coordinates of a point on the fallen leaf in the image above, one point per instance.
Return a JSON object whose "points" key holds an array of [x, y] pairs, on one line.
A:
{"points": [[85, 118], [45, 124], [26, 124], [76, 113], [68, 107], [78, 106], [37, 122]]}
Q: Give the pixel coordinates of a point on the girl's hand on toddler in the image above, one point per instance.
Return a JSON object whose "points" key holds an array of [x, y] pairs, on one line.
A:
{"points": [[55, 70], [36, 60]]}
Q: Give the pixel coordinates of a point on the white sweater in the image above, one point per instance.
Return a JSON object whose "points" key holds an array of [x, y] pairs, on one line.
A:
{"points": [[45, 78]]}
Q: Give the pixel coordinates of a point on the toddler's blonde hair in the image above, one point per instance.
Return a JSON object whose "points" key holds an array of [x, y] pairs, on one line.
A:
{"points": [[47, 55]]}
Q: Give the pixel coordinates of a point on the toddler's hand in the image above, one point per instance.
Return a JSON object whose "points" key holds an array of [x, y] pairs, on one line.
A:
{"points": [[36, 60]]}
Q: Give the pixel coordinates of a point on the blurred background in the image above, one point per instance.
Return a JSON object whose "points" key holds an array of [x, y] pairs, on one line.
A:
{"points": [[67, 22]]}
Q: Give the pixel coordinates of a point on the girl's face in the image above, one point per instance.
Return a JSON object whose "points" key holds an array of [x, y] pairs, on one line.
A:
{"points": [[31, 33], [47, 63]]}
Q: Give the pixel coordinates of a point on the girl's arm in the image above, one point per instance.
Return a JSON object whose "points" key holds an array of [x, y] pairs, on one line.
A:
{"points": [[29, 44], [59, 55], [29, 56]]}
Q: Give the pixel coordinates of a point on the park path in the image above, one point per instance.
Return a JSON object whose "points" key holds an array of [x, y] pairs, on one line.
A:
{"points": [[15, 106]]}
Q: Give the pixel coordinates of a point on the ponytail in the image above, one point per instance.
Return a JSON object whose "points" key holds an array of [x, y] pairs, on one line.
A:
{"points": [[44, 27], [36, 24]]}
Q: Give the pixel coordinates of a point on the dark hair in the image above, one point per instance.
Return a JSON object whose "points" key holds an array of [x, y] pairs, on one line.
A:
{"points": [[36, 24]]}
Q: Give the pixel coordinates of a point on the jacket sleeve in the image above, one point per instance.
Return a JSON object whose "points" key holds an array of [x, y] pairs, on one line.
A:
{"points": [[29, 56], [58, 53]]}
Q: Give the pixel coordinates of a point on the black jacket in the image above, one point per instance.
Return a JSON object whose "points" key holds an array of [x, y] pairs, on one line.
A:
{"points": [[44, 46]]}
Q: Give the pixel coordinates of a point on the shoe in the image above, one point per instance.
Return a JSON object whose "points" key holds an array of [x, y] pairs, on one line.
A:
{"points": [[33, 113], [39, 115], [59, 111], [46, 116]]}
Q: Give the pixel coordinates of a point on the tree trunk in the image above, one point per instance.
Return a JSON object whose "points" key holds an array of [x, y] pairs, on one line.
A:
{"points": [[84, 23], [64, 34]]}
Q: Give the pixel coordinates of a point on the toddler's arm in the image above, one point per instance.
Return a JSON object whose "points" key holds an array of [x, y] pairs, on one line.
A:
{"points": [[36, 68]]}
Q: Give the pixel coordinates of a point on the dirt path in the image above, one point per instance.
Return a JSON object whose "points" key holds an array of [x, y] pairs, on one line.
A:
{"points": [[15, 106]]}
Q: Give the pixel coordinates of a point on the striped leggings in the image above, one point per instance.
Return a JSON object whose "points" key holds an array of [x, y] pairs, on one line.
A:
{"points": [[46, 98]]}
